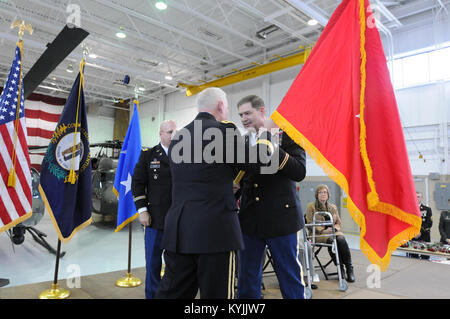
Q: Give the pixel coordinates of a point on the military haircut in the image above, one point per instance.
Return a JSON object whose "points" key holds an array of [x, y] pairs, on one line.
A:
{"points": [[209, 97], [254, 100]]}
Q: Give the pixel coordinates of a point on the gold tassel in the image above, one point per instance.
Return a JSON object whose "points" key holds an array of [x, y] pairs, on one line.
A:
{"points": [[239, 176], [72, 177], [12, 178]]}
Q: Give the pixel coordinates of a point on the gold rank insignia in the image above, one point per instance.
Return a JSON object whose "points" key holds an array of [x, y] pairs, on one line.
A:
{"points": [[226, 122]]}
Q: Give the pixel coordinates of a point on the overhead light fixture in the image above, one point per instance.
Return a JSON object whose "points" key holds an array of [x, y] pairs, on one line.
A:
{"points": [[249, 44], [92, 55], [263, 33], [121, 34], [161, 5], [168, 77], [209, 33], [313, 22], [141, 88], [70, 68]]}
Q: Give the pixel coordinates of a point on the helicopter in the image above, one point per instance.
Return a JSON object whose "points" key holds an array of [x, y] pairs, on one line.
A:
{"points": [[104, 166], [104, 201]]}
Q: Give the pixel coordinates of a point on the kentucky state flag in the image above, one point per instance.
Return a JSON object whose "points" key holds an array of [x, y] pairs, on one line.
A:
{"points": [[129, 156], [341, 109], [66, 180]]}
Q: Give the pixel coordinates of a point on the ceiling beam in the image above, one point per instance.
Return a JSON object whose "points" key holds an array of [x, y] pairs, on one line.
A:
{"points": [[77, 57], [176, 4], [309, 10], [388, 14], [250, 73], [98, 21], [261, 15], [168, 27]]}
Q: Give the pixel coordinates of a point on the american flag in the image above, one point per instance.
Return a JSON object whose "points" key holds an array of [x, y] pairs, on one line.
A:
{"points": [[15, 201], [42, 113]]}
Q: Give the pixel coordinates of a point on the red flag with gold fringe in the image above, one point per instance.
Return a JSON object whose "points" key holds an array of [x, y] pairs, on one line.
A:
{"points": [[341, 109]]}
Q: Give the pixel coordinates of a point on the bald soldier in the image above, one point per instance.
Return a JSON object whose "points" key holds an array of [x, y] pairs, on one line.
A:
{"points": [[152, 189]]}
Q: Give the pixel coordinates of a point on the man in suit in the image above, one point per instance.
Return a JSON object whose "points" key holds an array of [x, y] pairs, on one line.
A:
{"points": [[152, 189], [270, 212], [202, 232]]}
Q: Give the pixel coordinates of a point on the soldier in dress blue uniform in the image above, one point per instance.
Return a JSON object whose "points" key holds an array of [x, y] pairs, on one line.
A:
{"points": [[427, 222], [202, 231], [270, 212], [152, 189]]}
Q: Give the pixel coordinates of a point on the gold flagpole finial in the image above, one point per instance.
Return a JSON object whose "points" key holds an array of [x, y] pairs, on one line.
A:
{"points": [[86, 50], [22, 27]]}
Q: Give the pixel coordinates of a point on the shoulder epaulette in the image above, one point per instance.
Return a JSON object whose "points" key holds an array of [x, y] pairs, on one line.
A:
{"points": [[228, 123], [145, 149]]}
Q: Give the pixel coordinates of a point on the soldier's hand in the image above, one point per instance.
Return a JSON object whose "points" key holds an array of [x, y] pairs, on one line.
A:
{"points": [[235, 188], [448, 241], [145, 219]]}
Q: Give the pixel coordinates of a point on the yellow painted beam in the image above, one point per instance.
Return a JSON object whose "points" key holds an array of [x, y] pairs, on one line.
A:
{"points": [[251, 73]]}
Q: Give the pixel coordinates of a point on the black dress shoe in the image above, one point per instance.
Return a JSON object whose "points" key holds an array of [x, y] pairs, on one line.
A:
{"points": [[350, 274]]}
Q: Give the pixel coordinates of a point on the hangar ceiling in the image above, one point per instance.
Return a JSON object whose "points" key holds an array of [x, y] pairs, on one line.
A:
{"points": [[192, 41]]}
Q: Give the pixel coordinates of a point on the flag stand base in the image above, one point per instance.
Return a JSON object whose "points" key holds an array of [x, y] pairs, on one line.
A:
{"points": [[55, 293], [128, 282]]}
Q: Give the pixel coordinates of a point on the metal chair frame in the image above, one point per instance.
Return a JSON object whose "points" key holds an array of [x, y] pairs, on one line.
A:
{"points": [[319, 223]]}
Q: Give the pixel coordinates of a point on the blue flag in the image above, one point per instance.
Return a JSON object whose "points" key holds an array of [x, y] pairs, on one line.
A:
{"points": [[66, 180], [129, 156]]}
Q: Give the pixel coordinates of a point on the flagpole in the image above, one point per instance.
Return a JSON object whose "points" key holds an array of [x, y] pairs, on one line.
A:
{"points": [[130, 232], [55, 292], [22, 28], [129, 281]]}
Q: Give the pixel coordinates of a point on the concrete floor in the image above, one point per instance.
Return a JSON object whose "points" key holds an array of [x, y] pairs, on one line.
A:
{"points": [[95, 249], [99, 257]]}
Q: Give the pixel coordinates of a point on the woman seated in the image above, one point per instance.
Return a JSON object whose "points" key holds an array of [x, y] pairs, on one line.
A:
{"points": [[321, 204]]}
